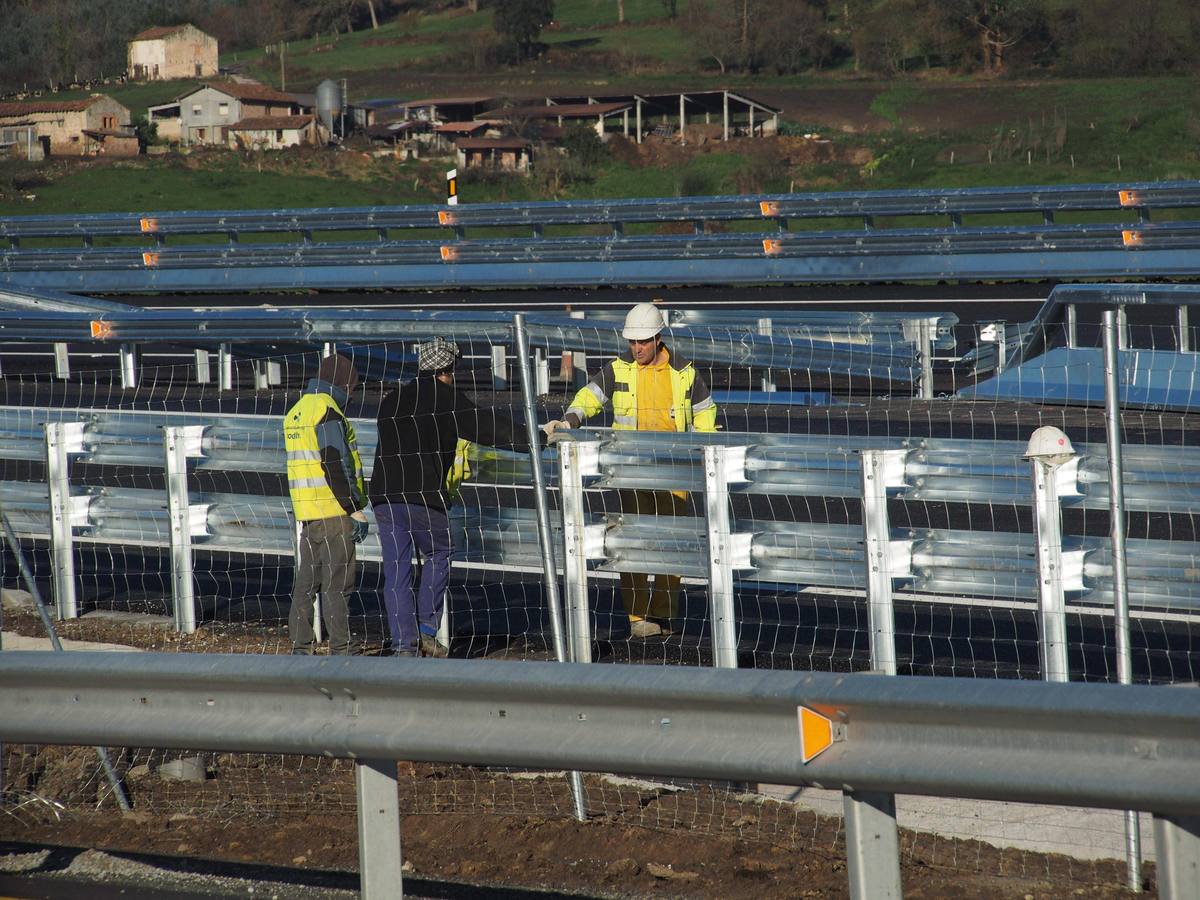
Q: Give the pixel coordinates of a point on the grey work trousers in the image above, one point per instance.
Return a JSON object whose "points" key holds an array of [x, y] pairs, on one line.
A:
{"points": [[326, 564]]}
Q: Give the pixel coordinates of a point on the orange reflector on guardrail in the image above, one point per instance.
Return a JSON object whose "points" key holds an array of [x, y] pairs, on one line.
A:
{"points": [[101, 329], [1130, 198], [149, 259], [816, 733], [149, 225], [772, 247], [445, 217], [449, 254], [769, 208], [1131, 238]]}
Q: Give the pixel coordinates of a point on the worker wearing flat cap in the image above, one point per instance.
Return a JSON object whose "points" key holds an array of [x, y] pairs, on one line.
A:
{"points": [[424, 427], [650, 388]]}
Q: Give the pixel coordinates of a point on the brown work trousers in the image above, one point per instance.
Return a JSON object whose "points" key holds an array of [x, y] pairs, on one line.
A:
{"points": [[325, 564], [640, 598]]}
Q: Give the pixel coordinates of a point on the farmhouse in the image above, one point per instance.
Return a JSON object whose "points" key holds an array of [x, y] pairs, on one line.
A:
{"points": [[272, 132], [207, 112], [95, 126], [174, 51]]}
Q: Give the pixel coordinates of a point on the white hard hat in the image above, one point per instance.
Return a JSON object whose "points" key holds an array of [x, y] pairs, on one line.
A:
{"points": [[644, 321], [1049, 445]]}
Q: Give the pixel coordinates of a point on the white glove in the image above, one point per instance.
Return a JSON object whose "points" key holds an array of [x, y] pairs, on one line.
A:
{"points": [[555, 425]]}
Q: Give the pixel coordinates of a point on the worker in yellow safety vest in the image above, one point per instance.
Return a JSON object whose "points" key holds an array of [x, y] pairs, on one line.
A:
{"points": [[650, 389], [325, 481]]}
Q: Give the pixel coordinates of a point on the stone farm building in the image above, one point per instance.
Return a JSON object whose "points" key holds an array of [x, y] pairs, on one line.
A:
{"points": [[96, 126], [174, 51]]}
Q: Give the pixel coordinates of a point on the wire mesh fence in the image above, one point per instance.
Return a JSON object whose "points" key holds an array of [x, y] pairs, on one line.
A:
{"points": [[782, 529]]}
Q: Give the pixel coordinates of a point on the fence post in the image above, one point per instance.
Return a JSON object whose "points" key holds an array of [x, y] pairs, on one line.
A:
{"points": [[63, 439], [128, 355], [1177, 854], [575, 460], [726, 551], [881, 469], [379, 855], [179, 443], [1116, 511], [872, 846], [549, 569]]}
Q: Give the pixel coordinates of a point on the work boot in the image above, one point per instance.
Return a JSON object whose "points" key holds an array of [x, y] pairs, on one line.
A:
{"points": [[431, 648]]}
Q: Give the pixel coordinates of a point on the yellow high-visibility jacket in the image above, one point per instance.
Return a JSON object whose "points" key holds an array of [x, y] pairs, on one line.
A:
{"points": [[692, 405], [460, 469], [325, 474]]}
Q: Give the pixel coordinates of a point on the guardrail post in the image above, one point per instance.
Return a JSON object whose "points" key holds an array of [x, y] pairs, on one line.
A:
{"points": [[1185, 331], [541, 374], [63, 439], [880, 470], [203, 369], [872, 846], [765, 329], [1052, 606], [225, 367], [1122, 329], [1072, 326], [128, 355], [925, 348], [726, 551], [266, 374], [62, 361], [379, 855], [994, 333], [1177, 854], [499, 368], [575, 460], [180, 442]]}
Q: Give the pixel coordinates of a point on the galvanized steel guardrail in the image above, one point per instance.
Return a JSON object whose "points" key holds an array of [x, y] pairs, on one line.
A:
{"points": [[778, 208], [771, 254], [1108, 746], [940, 563]]}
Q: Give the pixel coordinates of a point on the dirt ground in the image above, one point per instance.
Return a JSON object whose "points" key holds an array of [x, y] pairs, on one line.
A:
{"points": [[476, 825]]}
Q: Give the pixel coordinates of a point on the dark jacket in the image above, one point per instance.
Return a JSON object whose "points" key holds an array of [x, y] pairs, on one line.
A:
{"points": [[419, 426]]}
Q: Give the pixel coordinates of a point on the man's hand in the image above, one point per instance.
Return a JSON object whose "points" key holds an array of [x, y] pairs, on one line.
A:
{"points": [[359, 526], [553, 426]]}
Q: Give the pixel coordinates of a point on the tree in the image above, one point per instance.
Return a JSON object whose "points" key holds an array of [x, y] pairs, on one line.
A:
{"points": [[997, 25], [671, 8], [520, 22]]}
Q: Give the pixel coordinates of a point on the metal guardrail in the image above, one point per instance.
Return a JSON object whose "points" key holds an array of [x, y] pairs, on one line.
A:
{"points": [[895, 354], [772, 254], [954, 203], [939, 563], [1109, 746]]}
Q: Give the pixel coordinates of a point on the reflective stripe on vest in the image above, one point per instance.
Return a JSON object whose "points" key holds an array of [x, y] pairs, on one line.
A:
{"points": [[312, 497]]}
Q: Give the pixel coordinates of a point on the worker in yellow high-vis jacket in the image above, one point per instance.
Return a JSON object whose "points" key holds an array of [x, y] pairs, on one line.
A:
{"points": [[325, 480], [650, 389]]}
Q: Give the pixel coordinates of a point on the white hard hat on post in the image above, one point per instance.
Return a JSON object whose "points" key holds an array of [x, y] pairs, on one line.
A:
{"points": [[1049, 445], [643, 322]]}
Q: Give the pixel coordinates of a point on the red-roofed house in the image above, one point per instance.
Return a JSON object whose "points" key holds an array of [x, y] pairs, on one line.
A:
{"points": [[96, 125], [207, 112], [173, 51]]}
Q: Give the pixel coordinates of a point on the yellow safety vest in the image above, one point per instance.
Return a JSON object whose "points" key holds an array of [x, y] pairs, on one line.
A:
{"points": [[312, 497], [624, 399]]}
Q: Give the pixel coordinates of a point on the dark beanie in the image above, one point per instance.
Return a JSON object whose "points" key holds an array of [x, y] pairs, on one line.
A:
{"points": [[339, 371]]}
